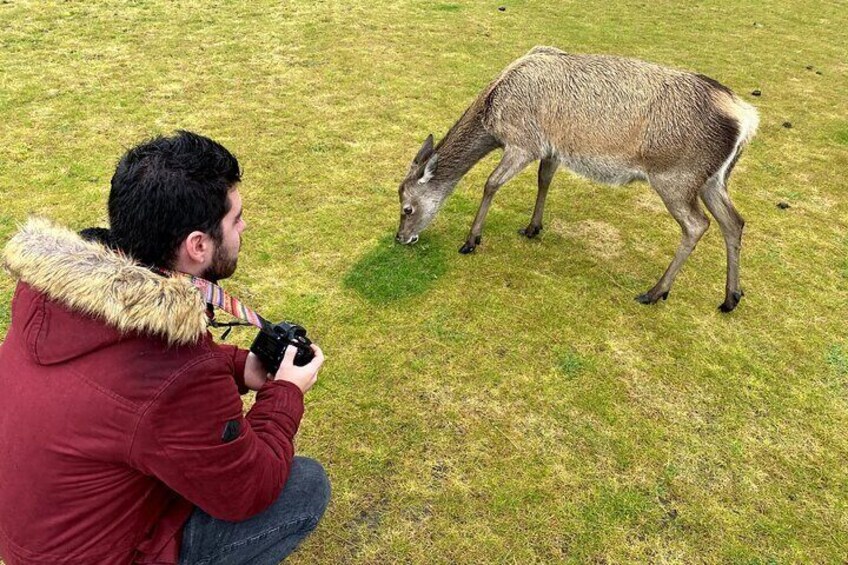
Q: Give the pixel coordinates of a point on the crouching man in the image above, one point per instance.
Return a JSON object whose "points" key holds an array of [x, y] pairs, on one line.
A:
{"points": [[122, 436]]}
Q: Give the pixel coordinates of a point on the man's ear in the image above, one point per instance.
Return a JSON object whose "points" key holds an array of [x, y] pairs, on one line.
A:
{"points": [[425, 152], [429, 169], [198, 247]]}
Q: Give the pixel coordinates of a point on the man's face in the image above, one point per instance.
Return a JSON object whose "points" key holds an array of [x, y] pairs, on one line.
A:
{"points": [[226, 254]]}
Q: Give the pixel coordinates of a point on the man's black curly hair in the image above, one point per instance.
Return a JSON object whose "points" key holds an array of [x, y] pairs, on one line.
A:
{"points": [[166, 188]]}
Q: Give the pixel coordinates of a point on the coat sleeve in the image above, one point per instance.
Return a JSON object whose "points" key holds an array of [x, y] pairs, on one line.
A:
{"points": [[239, 357], [195, 439]]}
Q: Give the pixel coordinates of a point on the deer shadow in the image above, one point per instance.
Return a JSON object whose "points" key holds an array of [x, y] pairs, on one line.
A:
{"points": [[392, 272]]}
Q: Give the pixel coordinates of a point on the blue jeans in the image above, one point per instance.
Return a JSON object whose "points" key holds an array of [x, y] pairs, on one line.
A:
{"points": [[266, 538]]}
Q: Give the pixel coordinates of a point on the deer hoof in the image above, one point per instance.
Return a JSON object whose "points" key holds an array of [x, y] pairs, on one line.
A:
{"points": [[467, 248], [530, 231], [651, 298], [731, 302]]}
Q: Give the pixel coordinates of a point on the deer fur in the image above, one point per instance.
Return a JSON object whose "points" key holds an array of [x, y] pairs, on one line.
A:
{"points": [[611, 119]]}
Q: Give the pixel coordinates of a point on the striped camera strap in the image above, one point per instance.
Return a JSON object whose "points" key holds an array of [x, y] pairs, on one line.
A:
{"points": [[219, 298]]}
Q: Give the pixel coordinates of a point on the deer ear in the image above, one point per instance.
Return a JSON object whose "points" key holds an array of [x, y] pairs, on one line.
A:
{"points": [[425, 151], [429, 169]]}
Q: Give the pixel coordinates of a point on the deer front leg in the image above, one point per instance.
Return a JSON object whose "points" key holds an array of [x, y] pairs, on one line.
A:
{"points": [[547, 168], [512, 162]]}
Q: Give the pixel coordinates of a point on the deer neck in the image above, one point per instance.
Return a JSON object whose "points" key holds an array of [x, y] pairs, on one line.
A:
{"points": [[464, 145]]}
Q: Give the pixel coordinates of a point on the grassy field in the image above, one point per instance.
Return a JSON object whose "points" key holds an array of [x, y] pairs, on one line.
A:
{"points": [[516, 405]]}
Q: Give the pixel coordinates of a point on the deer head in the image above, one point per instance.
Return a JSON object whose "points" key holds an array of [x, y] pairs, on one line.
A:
{"points": [[421, 194]]}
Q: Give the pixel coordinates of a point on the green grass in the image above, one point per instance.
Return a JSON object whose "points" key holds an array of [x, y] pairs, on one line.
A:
{"points": [[389, 273], [516, 405]]}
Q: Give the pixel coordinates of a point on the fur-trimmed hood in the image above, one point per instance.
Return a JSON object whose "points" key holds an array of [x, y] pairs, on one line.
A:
{"points": [[89, 278]]}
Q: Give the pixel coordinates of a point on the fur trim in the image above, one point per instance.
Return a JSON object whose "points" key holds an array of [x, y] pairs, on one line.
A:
{"points": [[92, 279]]}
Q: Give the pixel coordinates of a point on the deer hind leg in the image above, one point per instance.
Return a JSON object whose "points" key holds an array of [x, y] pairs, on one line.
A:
{"points": [[547, 168], [512, 163], [680, 195], [715, 197]]}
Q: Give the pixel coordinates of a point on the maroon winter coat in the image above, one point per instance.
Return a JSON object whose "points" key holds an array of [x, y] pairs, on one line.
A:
{"points": [[113, 406]]}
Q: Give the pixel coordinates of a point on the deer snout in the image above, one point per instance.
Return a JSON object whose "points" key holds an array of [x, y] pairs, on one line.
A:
{"points": [[405, 240]]}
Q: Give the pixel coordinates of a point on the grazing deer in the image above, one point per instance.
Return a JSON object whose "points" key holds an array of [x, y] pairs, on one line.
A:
{"points": [[610, 119]]}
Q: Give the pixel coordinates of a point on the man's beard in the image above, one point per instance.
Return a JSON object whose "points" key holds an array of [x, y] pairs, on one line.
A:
{"points": [[223, 265]]}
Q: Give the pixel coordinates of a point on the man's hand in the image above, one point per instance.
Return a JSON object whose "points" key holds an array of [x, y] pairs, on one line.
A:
{"points": [[255, 373], [304, 377]]}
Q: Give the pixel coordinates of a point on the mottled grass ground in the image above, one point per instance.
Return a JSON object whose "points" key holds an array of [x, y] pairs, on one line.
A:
{"points": [[516, 405]]}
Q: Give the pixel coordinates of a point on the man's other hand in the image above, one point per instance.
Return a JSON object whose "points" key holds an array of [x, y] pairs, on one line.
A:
{"points": [[304, 377], [255, 374]]}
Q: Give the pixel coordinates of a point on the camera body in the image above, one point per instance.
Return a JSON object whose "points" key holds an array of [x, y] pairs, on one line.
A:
{"points": [[272, 341]]}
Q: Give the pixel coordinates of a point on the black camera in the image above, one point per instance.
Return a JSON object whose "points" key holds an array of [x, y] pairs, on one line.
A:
{"points": [[271, 343]]}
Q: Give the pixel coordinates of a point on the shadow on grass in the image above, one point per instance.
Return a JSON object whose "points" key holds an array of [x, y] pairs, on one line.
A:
{"points": [[393, 272]]}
